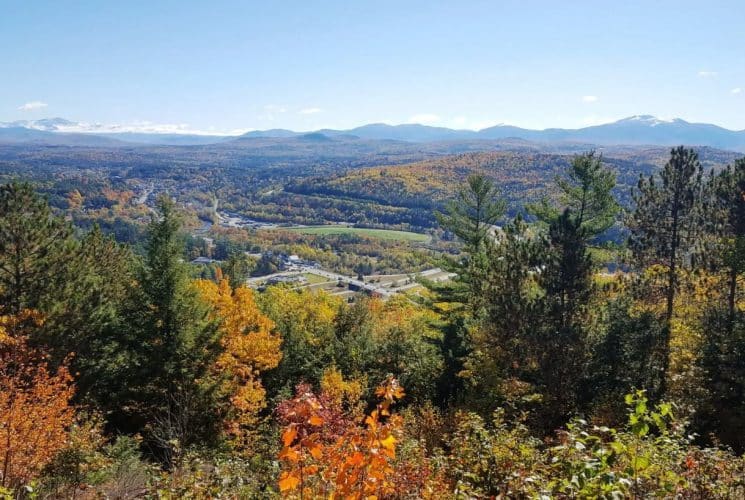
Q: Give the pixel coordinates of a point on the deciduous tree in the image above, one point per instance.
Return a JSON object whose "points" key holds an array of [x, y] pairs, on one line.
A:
{"points": [[35, 409], [249, 347]]}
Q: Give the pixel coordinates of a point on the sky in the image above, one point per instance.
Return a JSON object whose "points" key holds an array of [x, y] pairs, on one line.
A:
{"points": [[230, 66]]}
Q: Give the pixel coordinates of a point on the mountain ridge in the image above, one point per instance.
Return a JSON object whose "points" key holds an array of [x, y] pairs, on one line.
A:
{"points": [[637, 130]]}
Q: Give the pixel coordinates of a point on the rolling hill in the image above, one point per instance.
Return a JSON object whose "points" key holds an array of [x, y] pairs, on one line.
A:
{"points": [[409, 193]]}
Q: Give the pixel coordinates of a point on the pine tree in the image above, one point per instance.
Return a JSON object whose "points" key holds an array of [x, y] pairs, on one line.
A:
{"points": [[665, 225], [35, 246], [471, 217], [503, 343], [587, 193], [94, 324], [727, 215], [566, 278], [586, 208], [722, 411], [476, 209], [79, 288]]}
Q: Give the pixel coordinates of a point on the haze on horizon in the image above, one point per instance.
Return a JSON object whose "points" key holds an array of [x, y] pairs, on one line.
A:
{"points": [[232, 66]]}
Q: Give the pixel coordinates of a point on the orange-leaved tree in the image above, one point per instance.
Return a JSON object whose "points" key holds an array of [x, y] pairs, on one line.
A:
{"points": [[324, 454], [35, 410], [249, 347]]}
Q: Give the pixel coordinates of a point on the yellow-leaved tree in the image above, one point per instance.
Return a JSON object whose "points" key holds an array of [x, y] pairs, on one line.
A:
{"points": [[249, 347]]}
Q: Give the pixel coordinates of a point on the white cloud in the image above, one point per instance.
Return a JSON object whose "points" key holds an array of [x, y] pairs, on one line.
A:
{"points": [[310, 111], [142, 126], [32, 106], [138, 126], [590, 98], [424, 119], [736, 90], [707, 74]]}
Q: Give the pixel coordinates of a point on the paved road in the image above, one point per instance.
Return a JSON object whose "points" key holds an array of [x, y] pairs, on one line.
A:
{"points": [[143, 198], [369, 287], [372, 288]]}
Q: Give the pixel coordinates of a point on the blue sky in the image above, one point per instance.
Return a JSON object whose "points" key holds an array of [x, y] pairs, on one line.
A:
{"points": [[233, 65]]}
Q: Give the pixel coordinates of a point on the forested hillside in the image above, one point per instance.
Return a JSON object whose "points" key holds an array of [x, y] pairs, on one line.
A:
{"points": [[409, 193], [531, 374]]}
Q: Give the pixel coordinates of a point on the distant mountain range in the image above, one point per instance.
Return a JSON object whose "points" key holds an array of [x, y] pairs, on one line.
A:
{"points": [[633, 131]]}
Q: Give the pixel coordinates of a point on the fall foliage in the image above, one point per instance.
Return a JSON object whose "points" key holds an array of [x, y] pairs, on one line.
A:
{"points": [[357, 464], [249, 347], [35, 409], [550, 364]]}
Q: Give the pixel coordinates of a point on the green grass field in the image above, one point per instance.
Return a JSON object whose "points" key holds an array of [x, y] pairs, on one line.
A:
{"points": [[314, 279], [383, 234]]}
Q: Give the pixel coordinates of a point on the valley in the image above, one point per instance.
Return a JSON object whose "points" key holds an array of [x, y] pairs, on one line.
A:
{"points": [[356, 205]]}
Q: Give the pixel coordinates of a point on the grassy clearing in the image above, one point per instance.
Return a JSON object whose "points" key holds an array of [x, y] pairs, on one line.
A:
{"points": [[314, 279], [383, 234]]}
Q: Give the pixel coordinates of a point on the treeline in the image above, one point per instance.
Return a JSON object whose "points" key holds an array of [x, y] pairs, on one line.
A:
{"points": [[532, 374]]}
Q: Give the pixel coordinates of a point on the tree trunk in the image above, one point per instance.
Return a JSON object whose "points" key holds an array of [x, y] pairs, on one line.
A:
{"points": [[671, 285], [732, 298]]}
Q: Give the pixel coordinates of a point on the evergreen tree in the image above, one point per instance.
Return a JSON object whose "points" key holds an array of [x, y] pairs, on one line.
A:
{"points": [[566, 278], [476, 209], [626, 357], [501, 365], [355, 349], [665, 224], [586, 209], [80, 288], [727, 221], [587, 194], [94, 326], [666, 218], [567, 275], [722, 413], [174, 345], [35, 247], [471, 217]]}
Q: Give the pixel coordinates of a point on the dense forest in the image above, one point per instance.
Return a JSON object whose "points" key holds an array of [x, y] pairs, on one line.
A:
{"points": [[535, 373], [409, 194]]}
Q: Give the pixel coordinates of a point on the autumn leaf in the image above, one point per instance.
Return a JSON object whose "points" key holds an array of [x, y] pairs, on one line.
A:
{"points": [[288, 482], [289, 436], [289, 454], [316, 451], [389, 443], [356, 459]]}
